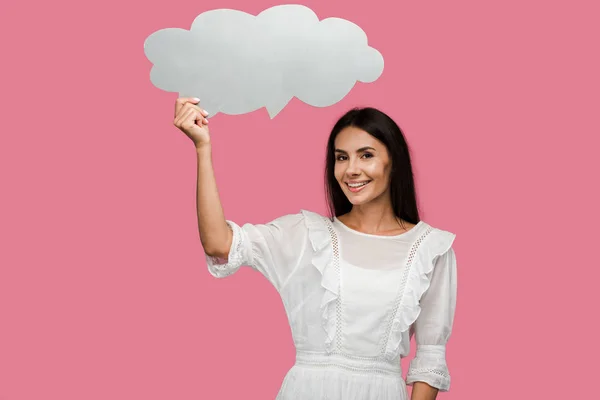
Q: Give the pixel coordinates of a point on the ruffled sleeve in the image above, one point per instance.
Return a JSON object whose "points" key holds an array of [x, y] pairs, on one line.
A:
{"points": [[433, 327], [273, 249]]}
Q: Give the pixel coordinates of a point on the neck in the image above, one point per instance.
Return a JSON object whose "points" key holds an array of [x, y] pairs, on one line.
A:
{"points": [[373, 217]]}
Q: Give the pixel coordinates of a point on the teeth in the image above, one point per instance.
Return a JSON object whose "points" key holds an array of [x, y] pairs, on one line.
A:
{"points": [[355, 185]]}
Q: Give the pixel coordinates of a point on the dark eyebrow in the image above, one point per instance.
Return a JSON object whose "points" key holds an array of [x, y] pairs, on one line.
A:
{"points": [[358, 151]]}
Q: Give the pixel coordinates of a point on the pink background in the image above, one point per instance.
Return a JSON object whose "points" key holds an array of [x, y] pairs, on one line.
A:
{"points": [[104, 292]]}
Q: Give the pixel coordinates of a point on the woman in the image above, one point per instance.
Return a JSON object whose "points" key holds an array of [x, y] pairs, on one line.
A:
{"points": [[355, 286]]}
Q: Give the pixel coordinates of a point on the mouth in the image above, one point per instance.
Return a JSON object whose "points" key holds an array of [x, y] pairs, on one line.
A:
{"points": [[356, 187]]}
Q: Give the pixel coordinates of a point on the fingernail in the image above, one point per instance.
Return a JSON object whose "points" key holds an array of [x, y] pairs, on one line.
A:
{"points": [[207, 113], [196, 99]]}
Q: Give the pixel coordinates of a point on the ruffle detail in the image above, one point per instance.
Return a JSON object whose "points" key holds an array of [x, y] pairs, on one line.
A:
{"points": [[435, 242], [324, 260]]}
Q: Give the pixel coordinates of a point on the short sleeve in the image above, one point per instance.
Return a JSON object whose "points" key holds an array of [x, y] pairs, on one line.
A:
{"points": [[433, 327], [274, 249]]}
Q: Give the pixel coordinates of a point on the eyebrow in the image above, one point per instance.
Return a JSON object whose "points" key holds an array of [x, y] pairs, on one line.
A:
{"points": [[358, 151]]}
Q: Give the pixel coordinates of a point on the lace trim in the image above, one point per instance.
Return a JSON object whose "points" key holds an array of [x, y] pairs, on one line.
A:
{"points": [[425, 371], [436, 378], [325, 245], [348, 362], [336, 264], [225, 267], [400, 298]]}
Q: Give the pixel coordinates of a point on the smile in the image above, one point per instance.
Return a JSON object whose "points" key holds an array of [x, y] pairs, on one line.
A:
{"points": [[357, 186]]}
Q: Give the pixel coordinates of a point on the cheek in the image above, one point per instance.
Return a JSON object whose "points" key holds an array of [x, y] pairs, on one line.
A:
{"points": [[338, 172], [376, 170]]}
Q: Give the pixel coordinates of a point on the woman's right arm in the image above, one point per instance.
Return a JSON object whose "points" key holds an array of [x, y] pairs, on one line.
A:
{"points": [[215, 235], [274, 249]]}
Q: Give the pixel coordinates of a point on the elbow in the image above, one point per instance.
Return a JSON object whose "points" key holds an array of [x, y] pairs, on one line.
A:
{"points": [[217, 248], [216, 252]]}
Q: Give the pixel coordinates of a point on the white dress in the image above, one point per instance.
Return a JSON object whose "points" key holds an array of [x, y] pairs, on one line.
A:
{"points": [[353, 301]]}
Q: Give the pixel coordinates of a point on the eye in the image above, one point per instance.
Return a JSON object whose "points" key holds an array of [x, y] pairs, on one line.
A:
{"points": [[368, 155], [340, 158]]}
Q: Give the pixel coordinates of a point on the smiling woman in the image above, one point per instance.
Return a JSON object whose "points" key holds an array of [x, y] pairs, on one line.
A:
{"points": [[356, 285], [368, 167]]}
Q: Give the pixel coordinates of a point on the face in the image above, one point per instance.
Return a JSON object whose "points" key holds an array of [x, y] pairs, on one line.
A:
{"points": [[362, 166]]}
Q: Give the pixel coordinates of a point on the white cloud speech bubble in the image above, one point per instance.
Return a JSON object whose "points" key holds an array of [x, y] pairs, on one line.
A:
{"points": [[237, 63]]}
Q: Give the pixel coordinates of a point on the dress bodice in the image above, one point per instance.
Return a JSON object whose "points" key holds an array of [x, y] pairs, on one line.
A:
{"points": [[353, 300]]}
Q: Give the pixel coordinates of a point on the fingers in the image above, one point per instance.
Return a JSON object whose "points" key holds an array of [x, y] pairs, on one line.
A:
{"points": [[182, 101], [183, 106], [198, 115], [187, 118]]}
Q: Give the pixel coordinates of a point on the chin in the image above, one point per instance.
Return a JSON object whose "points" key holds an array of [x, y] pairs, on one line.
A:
{"points": [[358, 200], [363, 198]]}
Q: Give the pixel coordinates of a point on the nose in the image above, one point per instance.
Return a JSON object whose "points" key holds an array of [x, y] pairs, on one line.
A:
{"points": [[353, 168]]}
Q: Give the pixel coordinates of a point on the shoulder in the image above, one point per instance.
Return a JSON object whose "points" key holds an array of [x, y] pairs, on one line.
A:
{"points": [[435, 240], [302, 222], [298, 218], [312, 215], [305, 219], [435, 246]]}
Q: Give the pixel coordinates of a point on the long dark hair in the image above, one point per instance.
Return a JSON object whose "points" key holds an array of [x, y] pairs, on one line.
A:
{"points": [[402, 185]]}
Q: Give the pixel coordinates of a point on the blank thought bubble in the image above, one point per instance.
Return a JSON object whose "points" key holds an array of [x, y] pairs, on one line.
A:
{"points": [[236, 62]]}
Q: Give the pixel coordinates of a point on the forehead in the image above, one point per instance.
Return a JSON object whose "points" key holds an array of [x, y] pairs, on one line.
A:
{"points": [[352, 138]]}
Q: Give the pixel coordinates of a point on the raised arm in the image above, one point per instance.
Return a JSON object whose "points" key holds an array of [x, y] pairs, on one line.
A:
{"points": [[215, 235]]}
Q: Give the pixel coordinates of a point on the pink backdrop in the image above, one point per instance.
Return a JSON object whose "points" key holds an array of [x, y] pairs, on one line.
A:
{"points": [[104, 292]]}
